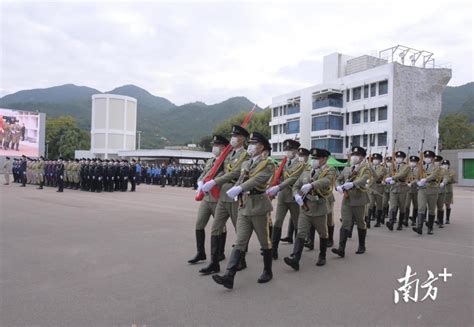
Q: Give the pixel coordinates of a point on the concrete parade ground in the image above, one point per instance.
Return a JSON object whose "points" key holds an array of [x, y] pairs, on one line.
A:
{"points": [[120, 259]]}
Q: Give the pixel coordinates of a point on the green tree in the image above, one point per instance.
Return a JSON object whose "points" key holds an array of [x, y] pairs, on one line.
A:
{"points": [[64, 137], [258, 123], [456, 132]]}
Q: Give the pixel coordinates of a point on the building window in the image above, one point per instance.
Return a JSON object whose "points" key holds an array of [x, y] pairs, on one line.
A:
{"points": [[275, 147], [320, 123], [275, 112], [364, 140], [382, 139], [366, 91], [293, 127], [347, 141], [293, 109], [373, 89], [275, 129], [332, 144], [383, 87], [468, 168], [348, 95], [383, 113], [372, 139], [366, 116], [356, 93], [347, 118], [356, 140], [373, 114], [330, 101], [356, 117]]}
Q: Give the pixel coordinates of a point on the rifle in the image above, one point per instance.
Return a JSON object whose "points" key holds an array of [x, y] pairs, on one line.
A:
{"points": [[408, 155], [345, 192], [244, 175], [421, 167], [215, 190], [276, 178], [392, 162]]}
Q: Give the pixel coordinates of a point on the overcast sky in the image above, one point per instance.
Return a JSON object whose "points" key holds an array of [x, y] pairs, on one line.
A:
{"points": [[210, 51]]}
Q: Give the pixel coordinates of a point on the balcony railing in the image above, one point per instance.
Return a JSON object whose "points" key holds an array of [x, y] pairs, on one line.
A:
{"points": [[327, 103]]}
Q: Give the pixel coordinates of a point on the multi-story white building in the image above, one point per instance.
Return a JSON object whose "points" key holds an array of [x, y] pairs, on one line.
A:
{"points": [[367, 101]]}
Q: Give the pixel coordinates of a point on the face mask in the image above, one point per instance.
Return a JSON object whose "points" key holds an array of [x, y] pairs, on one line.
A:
{"points": [[399, 160], [301, 159], [355, 160], [376, 162], [216, 150], [233, 141], [389, 164], [445, 166], [251, 149], [315, 163], [412, 164], [290, 154], [427, 160]]}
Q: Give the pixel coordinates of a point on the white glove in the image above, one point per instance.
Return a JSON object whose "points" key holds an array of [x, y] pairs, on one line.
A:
{"points": [[200, 184], [273, 190], [208, 186], [299, 200], [306, 188], [392, 182], [339, 189], [409, 184], [441, 185], [234, 191], [348, 185], [421, 182], [389, 180]]}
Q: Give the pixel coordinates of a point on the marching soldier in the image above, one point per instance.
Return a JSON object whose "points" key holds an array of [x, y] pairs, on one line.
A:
{"points": [[429, 178], [449, 188], [226, 206], [311, 192], [22, 170], [354, 201], [442, 191], [60, 174], [386, 190], [7, 168], [412, 196], [377, 188], [40, 173], [343, 176], [398, 191], [207, 206], [254, 209], [124, 173], [285, 202], [133, 175]]}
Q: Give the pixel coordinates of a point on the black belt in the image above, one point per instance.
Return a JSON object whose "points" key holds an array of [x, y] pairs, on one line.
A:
{"points": [[255, 192]]}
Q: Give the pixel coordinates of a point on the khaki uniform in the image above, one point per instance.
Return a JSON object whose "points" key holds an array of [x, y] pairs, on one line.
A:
{"points": [[398, 195], [40, 171], [7, 168], [412, 196], [227, 207], [207, 207], [428, 196], [376, 193], [449, 187]]}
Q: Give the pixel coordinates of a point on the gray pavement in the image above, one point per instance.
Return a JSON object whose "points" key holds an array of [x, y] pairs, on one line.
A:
{"points": [[119, 259]]}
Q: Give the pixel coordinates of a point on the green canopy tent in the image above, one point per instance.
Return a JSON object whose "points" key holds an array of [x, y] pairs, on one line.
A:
{"points": [[335, 163]]}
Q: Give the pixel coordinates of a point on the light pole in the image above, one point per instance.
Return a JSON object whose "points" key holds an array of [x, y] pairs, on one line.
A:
{"points": [[139, 139], [47, 143]]}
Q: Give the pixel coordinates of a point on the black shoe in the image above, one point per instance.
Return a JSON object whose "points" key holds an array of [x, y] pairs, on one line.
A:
{"points": [[227, 280], [224, 280], [323, 242], [199, 257], [399, 227], [362, 234], [267, 274], [287, 240], [330, 242], [448, 215], [213, 267], [343, 235], [242, 263], [309, 244], [430, 231], [201, 253], [294, 260], [389, 225], [275, 242]]}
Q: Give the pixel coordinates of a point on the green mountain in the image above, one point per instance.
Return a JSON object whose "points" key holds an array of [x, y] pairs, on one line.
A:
{"points": [[161, 121], [459, 99]]}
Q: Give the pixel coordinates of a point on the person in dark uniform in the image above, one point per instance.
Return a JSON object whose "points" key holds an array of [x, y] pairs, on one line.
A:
{"points": [[124, 172], [60, 174], [133, 175], [22, 170], [117, 168]]}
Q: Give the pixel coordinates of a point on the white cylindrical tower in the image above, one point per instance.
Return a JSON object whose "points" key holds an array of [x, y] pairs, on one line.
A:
{"points": [[113, 125]]}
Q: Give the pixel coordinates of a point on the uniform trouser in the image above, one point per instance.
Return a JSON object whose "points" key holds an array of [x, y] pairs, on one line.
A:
{"points": [[441, 201], [132, 184], [60, 183], [397, 202], [448, 199], [247, 224], [40, 178], [385, 199], [353, 213], [205, 211], [224, 210], [305, 223], [281, 211], [427, 201], [376, 200], [412, 200], [7, 177]]}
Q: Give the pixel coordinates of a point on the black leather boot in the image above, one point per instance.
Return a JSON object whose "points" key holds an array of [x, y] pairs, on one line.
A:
{"points": [[448, 215], [406, 217], [343, 234], [227, 280], [309, 244], [349, 232], [267, 274], [440, 218], [378, 217], [222, 246], [419, 224], [368, 218], [391, 219], [40, 186], [401, 218], [414, 217], [201, 252], [294, 260], [330, 242], [289, 235], [323, 245], [362, 234], [242, 264], [275, 242], [213, 267], [431, 219], [384, 215]]}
